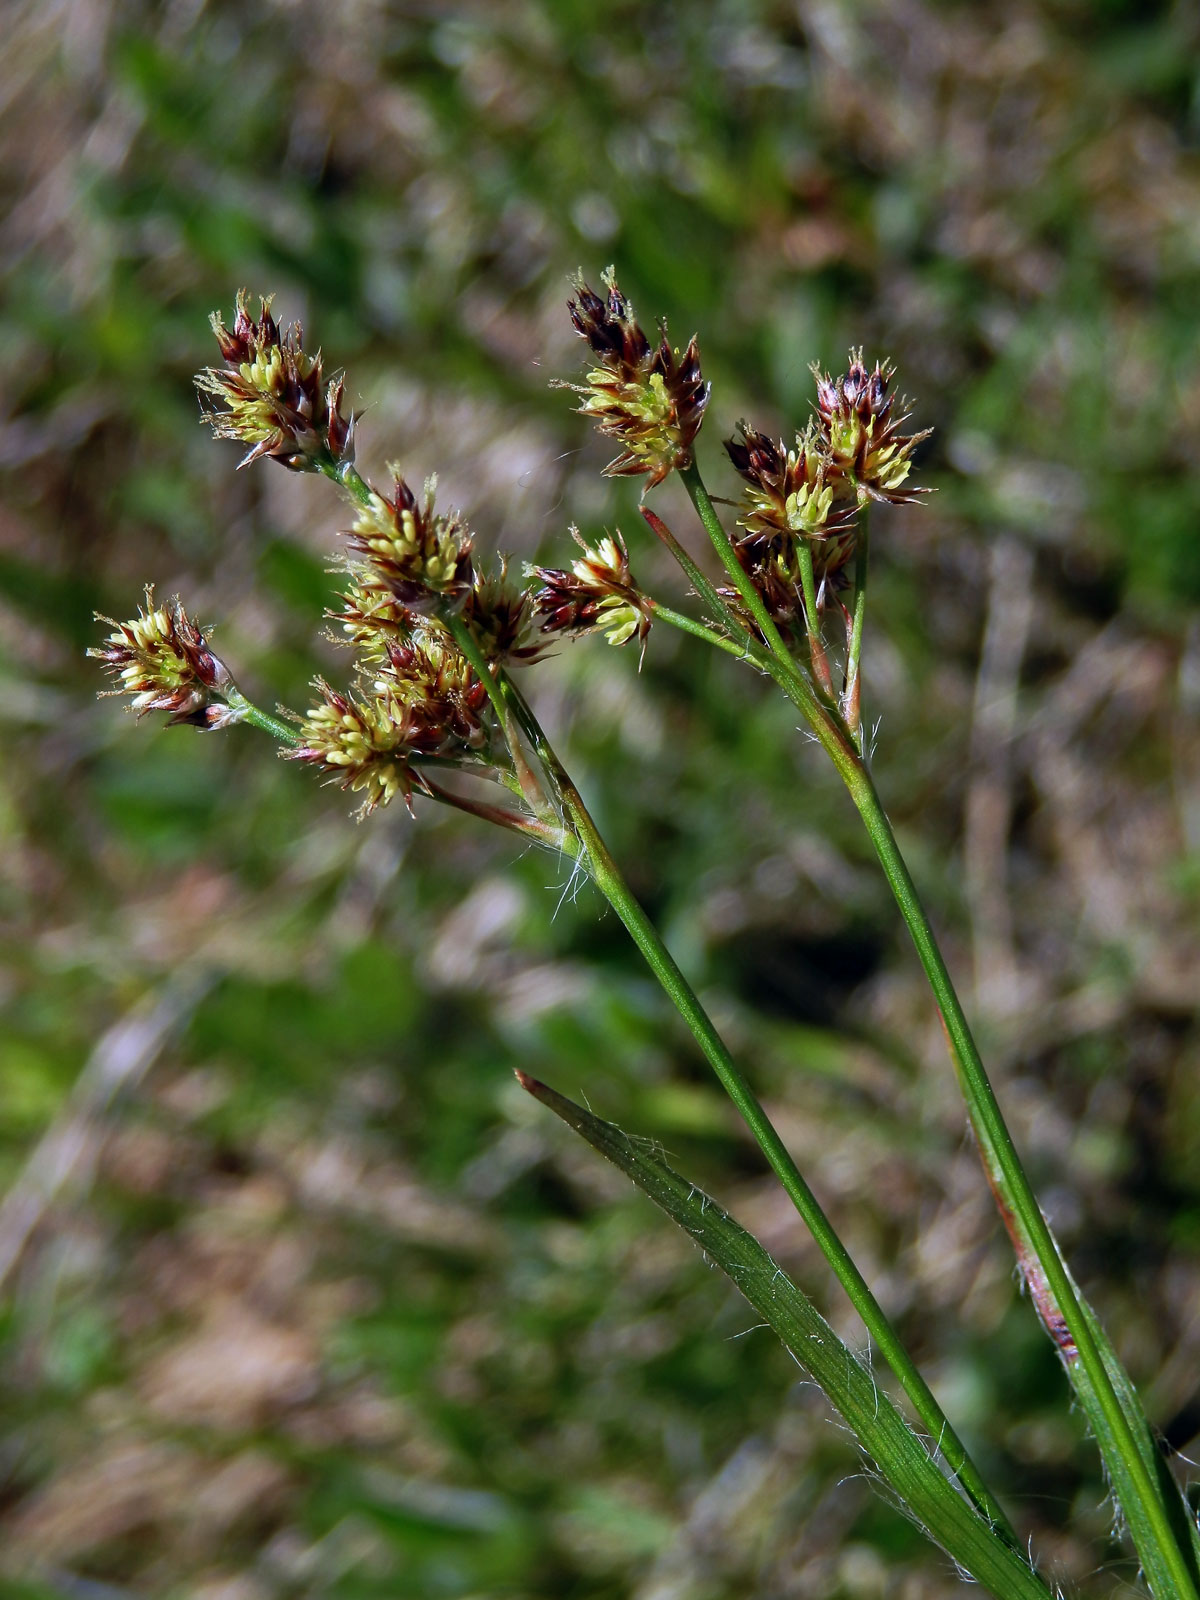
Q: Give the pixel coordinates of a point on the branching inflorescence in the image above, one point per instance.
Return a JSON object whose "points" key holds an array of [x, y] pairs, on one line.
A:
{"points": [[432, 706], [163, 660], [418, 705]]}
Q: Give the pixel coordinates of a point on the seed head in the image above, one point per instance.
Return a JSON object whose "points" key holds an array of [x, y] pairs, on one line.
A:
{"points": [[499, 617], [275, 395], [406, 550], [163, 660], [860, 437], [426, 671], [369, 620], [599, 593], [367, 744], [789, 493], [650, 397]]}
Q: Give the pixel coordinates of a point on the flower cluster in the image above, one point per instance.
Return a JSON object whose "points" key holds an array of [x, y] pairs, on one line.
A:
{"points": [[275, 396], [598, 593], [163, 660], [427, 673], [407, 550], [418, 703], [861, 438], [431, 634], [370, 620], [368, 744], [808, 498], [422, 706], [649, 397], [499, 616]]}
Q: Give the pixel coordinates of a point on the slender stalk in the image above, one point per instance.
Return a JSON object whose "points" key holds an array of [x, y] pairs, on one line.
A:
{"points": [[812, 620], [723, 545], [1065, 1316], [285, 732], [555, 838], [1067, 1320], [725, 614], [685, 624], [852, 696], [489, 676], [348, 475], [832, 735], [608, 878]]}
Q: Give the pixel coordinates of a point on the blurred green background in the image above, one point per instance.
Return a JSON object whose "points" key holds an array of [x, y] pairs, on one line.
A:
{"points": [[300, 1295]]}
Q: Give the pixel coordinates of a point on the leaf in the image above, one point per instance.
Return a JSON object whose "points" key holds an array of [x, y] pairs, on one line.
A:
{"points": [[902, 1457]]}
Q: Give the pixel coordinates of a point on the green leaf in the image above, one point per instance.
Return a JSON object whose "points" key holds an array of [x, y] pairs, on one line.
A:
{"points": [[902, 1457], [1145, 1535]]}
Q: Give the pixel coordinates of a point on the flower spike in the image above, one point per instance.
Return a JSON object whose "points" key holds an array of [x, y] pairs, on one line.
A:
{"points": [[792, 494], [368, 745], [163, 660], [650, 397], [499, 616], [859, 434], [404, 549], [275, 396], [598, 593]]}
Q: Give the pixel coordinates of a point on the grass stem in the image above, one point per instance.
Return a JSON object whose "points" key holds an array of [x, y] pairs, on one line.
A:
{"points": [[1169, 1559], [852, 694], [607, 876]]}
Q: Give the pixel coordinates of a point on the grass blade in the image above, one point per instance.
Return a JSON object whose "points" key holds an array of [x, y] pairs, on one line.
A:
{"points": [[902, 1457]]}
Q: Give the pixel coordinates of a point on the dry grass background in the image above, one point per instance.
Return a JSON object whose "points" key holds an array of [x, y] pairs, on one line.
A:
{"points": [[299, 1297]]}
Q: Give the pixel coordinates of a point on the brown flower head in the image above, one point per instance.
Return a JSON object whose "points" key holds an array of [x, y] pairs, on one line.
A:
{"points": [[599, 593], [275, 396], [407, 550], [426, 671], [500, 618], [163, 660], [859, 434], [773, 569], [790, 495], [369, 620], [368, 744], [650, 397]]}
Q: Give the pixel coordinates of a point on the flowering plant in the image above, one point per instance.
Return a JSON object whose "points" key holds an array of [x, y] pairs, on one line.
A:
{"points": [[434, 710]]}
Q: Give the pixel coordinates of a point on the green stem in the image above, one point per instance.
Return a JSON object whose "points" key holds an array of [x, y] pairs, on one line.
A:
{"points": [[826, 723], [348, 475], [285, 732], [608, 878], [531, 787], [468, 644], [1060, 1306], [852, 698], [686, 624], [1118, 1422], [812, 621], [743, 582], [723, 612], [831, 734]]}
